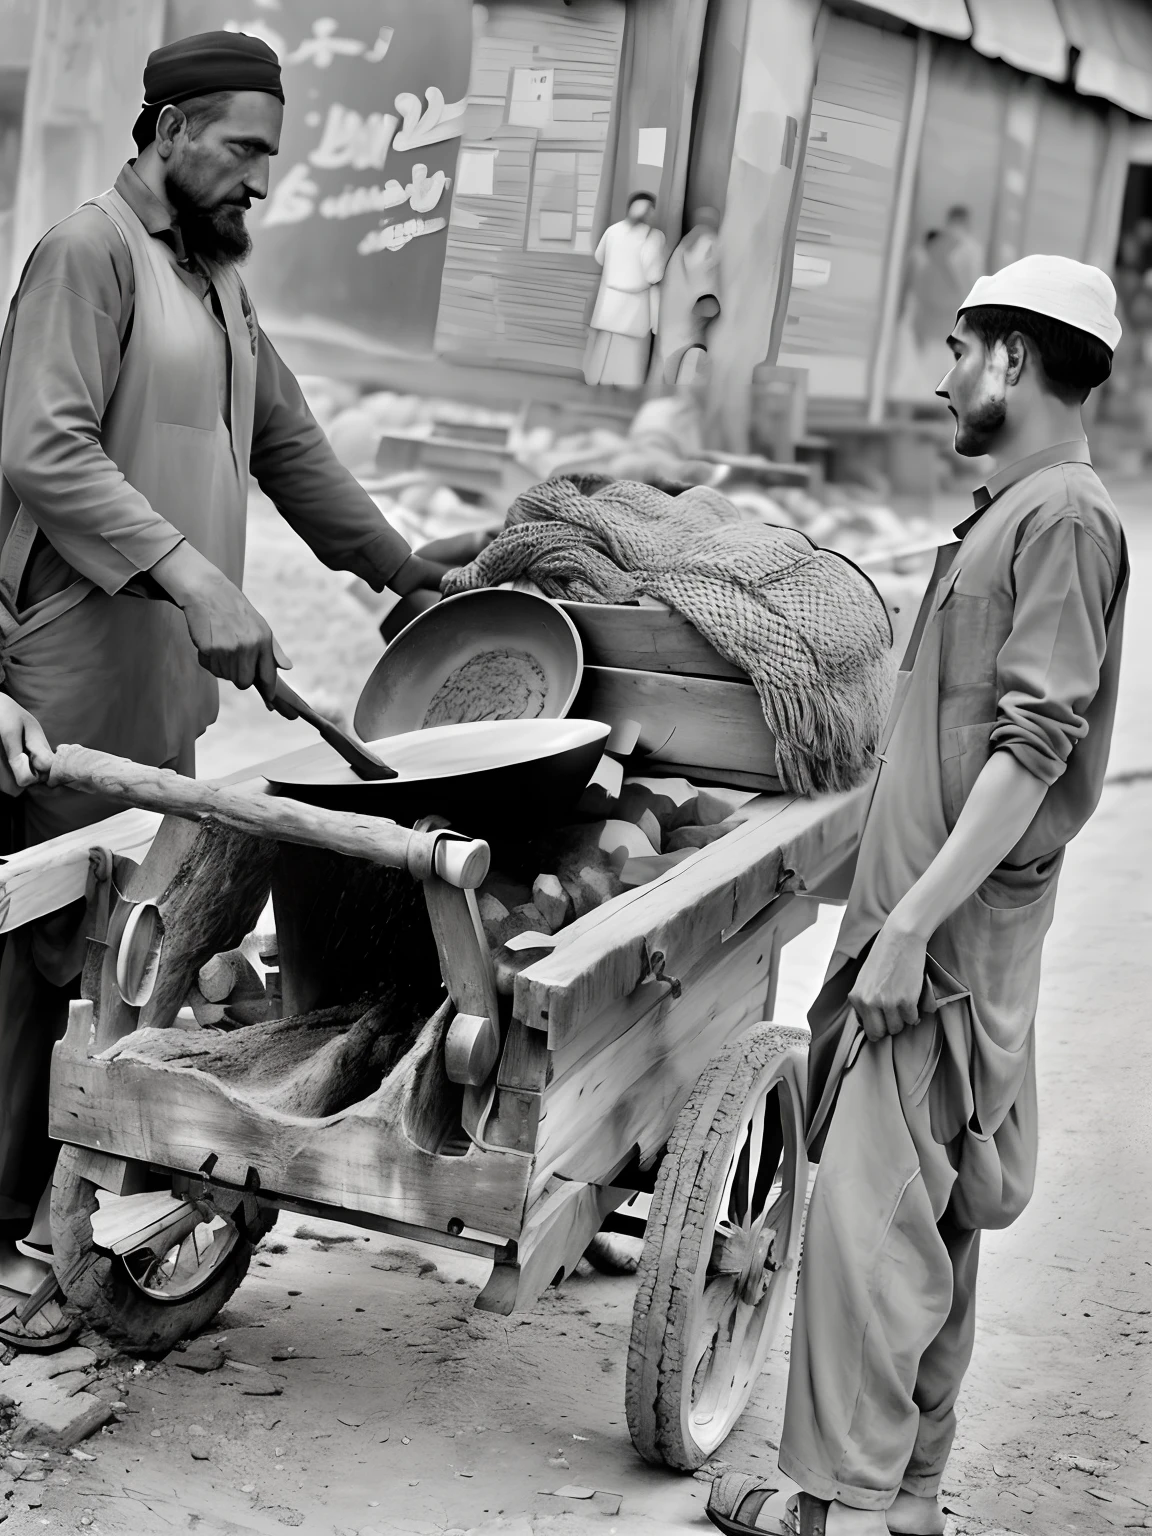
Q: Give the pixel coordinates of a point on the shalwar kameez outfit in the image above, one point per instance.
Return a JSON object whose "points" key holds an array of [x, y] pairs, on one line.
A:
{"points": [[138, 394], [933, 1133], [626, 313]]}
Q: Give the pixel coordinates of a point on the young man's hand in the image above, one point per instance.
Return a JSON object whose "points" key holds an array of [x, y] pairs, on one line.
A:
{"points": [[25, 757], [234, 641], [887, 993]]}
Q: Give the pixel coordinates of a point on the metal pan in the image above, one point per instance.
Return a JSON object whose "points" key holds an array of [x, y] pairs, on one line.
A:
{"points": [[516, 770], [522, 658]]}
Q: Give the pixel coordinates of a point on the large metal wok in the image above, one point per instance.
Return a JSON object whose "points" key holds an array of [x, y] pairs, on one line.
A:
{"points": [[468, 773]]}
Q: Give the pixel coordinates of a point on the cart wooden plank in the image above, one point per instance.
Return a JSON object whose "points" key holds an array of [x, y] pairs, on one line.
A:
{"points": [[44, 878], [367, 1158], [623, 1096], [652, 639], [605, 955]]}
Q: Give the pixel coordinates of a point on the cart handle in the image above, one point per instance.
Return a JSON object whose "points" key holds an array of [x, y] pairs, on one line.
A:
{"points": [[457, 861]]}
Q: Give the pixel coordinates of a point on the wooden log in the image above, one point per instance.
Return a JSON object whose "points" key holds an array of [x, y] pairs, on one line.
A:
{"points": [[459, 862]]}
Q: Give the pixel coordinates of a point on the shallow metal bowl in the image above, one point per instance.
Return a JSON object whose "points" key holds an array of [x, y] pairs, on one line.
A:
{"points": [[423, 656]]}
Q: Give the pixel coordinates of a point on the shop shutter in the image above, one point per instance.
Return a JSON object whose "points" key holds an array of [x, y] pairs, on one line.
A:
{"points": [[1069, 157], [859, 112]]}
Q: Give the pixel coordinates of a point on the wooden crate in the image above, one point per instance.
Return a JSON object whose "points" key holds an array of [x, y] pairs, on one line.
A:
{"points": [[715, 725], [653, 639]]}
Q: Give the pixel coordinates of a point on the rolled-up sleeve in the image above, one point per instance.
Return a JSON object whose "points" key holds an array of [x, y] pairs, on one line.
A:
{"points": [[326, 505], [1048, 670], [63, 366]]}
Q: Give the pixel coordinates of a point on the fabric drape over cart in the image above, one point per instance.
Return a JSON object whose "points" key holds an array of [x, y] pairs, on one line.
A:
{"points": [[805, 624]]}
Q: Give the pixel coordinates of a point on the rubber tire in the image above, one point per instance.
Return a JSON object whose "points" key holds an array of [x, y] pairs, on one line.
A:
{"points": [[112, 1304], [696, 1157]]}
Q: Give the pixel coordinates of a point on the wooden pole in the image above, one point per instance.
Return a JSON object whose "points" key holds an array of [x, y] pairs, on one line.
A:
{"points": [[901, 223], [459, 862]]}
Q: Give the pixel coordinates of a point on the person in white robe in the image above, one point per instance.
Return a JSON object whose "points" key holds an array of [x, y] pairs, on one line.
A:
{"points": [[632, 254]]}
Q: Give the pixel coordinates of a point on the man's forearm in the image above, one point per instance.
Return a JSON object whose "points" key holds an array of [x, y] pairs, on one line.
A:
{"points": [[1000, 809]]}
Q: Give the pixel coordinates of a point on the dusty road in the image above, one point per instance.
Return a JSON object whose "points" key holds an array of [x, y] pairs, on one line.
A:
{"points": [[401, 1410]]}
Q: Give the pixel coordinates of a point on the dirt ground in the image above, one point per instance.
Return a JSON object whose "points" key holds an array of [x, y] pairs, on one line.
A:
{"points": [[396, 1408]]}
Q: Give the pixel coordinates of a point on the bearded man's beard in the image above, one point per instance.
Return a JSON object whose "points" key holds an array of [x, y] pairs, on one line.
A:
{"points": [[217, 234], [980, 426]]}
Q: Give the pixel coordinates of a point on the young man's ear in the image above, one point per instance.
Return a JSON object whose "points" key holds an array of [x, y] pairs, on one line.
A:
{"points": [[1017, 351]]}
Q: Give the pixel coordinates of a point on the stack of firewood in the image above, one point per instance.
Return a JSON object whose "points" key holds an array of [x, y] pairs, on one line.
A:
{"points": [[651, 826]]}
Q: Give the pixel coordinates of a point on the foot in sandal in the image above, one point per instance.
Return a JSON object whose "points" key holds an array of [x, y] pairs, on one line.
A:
{"points": [[913, 1516], [746, 1506]]}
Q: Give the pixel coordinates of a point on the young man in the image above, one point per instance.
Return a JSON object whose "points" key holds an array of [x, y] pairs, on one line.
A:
{"points": [[138, 395], [923, 1038]]}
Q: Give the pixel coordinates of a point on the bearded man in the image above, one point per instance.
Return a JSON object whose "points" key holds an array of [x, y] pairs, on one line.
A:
{"points": [[922, 1076], [138, 395]]}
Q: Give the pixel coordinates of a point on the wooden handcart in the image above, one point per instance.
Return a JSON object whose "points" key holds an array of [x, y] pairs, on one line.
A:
{"points": [[631, 1066]]}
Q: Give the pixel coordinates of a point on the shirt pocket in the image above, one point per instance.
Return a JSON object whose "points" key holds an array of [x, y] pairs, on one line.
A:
{"points": [[963, 753], [968, 644]]}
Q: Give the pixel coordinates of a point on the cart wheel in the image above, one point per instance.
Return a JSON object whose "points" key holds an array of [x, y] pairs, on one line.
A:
{"points": [[722, 1242], [146, 1303]]}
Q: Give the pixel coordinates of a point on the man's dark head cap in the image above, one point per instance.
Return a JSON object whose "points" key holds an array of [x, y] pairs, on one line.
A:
{"points": [[200, 65]]}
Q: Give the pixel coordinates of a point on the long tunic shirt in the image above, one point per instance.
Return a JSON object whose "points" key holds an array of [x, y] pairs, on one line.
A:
{"points": [[138, 393], [70, 322]]}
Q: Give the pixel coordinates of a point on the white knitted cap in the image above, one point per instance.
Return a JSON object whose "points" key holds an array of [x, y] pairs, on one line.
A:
{"points": [[1056, 286]]}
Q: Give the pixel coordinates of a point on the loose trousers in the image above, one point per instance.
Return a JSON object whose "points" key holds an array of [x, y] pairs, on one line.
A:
{"points": [[885, 1310], [37, 979]]}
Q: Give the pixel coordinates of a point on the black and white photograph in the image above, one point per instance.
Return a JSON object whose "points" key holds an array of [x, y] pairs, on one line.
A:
{"points": [[576, 767]]}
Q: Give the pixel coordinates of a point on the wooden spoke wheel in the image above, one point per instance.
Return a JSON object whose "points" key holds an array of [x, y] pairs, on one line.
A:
{"points": [[721, 1248], [151, 1298]]}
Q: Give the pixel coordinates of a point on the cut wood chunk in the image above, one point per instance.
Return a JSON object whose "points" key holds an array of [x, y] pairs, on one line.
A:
{"points": [[603, 791], [623, 840], [592, 887], [493, 915], [651, 828], [507, 965], [527, 919], [716, 805], [216, 979], [508, 892], [700, 837], [663, 797], [552, 901]]}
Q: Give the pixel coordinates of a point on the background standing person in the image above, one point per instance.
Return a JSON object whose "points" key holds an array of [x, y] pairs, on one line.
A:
{"points": [[620, 340], [689, 292], [922, 1088], [139, 394]]}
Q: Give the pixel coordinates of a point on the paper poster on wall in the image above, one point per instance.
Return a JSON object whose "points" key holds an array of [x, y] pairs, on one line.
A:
{"points": [[650, 145], [351, 239]]}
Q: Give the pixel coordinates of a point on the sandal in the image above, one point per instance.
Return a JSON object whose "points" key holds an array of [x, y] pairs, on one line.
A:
{"points": [[735, 1503], [807, 1515], [24, 1326]]}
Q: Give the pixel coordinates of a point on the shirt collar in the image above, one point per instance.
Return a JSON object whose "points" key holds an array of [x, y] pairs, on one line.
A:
{"points": [[150, 210], [1075, 452]]}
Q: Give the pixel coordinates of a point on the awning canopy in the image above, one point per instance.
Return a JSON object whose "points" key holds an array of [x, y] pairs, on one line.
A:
{"points": [[1025, 33], [1114, 39], [947, 17]]}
